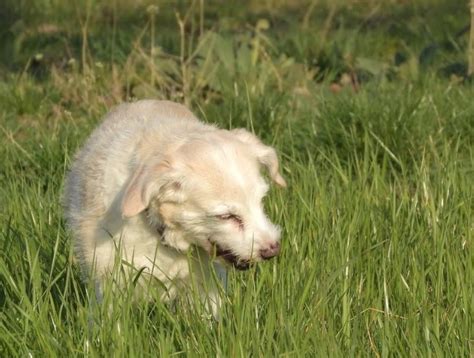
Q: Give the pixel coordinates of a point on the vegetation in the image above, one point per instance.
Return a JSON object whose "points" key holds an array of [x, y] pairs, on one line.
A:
{"points": [[368, 102]]}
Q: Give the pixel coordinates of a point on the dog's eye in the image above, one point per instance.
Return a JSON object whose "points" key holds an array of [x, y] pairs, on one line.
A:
{"points": [[235, 218]]}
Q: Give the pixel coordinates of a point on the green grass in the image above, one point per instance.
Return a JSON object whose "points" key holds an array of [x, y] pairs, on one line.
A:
{"points": [[377, 219]]}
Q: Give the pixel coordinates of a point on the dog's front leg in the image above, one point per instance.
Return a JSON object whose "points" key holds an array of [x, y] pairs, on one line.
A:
{"points": [[218, 288]]}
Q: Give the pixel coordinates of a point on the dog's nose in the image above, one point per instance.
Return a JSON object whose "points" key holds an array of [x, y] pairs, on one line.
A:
{"points": [[270, 251]]}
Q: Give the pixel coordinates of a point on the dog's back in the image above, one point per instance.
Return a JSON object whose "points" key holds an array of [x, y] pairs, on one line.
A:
{"points": [[112, 144]]}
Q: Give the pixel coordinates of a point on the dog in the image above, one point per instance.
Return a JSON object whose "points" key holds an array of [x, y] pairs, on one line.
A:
{"points": [[153, 183]]}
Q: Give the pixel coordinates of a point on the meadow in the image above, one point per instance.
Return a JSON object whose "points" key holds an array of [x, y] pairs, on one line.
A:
{"points": [[371, 109]]}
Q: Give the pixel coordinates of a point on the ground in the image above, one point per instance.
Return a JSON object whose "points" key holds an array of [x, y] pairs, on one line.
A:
{"points": [[367, 102]]}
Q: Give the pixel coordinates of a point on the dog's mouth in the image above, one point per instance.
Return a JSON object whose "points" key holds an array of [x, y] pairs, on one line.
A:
{"points": [[232, 259], [229, 257]]}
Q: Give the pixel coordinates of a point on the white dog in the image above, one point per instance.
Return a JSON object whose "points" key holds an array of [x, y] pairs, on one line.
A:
{"points": [[152, 182]]}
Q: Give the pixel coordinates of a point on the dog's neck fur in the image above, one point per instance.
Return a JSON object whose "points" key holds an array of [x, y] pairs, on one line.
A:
{"points": [[160, 228]]}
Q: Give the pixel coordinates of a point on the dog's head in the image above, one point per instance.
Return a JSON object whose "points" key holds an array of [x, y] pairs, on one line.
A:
{"points": [[209, 193]]}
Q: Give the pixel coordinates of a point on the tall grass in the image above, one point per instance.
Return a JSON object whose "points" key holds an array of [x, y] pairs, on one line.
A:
{"points": [[377, 219]]}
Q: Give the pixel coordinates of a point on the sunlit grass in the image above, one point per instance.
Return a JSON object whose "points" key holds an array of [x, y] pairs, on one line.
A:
{"points": [[376, 243]]}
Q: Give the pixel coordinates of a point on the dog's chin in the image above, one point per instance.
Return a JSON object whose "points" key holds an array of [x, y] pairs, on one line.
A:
{"points": [[230, 258]]}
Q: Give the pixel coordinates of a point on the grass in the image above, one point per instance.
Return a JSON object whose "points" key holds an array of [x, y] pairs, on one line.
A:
{"points": [[377, 219]]}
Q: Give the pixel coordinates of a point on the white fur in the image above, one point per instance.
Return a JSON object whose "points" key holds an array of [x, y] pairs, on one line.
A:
{"points": [[153, 165]]}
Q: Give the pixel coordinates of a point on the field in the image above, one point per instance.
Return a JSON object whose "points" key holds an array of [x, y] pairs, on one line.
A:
{"points": [[371, 109]]}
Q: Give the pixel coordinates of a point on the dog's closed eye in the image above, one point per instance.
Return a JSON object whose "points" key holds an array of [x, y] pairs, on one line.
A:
{"points": [[232, 217]]}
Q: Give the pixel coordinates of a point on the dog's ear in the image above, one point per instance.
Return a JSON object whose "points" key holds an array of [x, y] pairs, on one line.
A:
{"points": [[266, 155], [144, 183]]}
